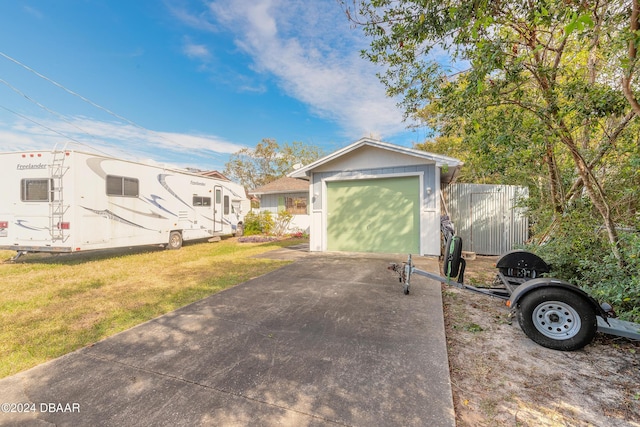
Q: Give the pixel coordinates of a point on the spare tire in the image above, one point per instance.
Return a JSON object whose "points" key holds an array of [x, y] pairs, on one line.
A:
{"points": [[453, 256]]}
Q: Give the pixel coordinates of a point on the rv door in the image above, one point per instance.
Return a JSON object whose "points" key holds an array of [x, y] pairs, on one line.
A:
{"points": [[217, 210]]}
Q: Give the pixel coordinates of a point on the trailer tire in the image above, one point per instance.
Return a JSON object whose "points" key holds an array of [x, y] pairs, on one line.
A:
{"points": [[557, 318], [175, 240]]}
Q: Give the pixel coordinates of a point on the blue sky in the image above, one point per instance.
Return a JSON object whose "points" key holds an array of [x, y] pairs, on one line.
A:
{"points": [[187, 82]]}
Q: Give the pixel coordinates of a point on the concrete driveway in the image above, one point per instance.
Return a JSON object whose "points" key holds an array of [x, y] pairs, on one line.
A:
{"points": [[328, 340]]}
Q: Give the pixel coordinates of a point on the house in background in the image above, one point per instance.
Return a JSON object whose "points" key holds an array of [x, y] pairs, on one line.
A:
{"points": [[289, 194], [215, 174], [372, 196]]}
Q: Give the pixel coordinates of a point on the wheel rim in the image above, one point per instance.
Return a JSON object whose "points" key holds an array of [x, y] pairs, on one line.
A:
{"points": [[556, 320]]}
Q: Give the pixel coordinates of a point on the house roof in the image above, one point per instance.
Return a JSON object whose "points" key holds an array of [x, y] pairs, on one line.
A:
{"points": [[215, 174], [451, 164], [282, 185]]}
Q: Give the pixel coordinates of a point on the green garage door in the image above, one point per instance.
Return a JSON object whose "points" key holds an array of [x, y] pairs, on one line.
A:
{"points": [[374, 215]]}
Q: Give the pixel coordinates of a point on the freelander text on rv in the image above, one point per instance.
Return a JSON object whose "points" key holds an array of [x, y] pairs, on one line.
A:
{"points": [[69, 201]]}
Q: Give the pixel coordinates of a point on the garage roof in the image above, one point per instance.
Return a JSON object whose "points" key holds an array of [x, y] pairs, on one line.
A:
{"points": [[451, 165]]}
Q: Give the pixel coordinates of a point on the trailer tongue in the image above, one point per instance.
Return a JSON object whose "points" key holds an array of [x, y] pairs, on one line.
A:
{"points": [[551, 312]]}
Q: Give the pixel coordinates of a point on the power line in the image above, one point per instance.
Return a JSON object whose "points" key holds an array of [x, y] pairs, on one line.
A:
{"points": [[42, 76], [61, 116], [88, 101], [40, 124], [27, 97], [56, 131]]}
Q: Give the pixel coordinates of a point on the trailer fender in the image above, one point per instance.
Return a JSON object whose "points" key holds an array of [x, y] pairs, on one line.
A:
{"points": [[548, 282], [521, 263]]}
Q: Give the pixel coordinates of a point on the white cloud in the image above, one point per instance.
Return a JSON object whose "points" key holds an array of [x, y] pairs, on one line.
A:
{"points": [[196, 51], [314, 54], [115, 139], [189, 18], [33, 12]]}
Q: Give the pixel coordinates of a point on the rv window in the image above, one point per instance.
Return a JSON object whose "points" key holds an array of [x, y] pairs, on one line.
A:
{"points": [[218, 196], [226, 205], [201, 201], [36, 190], [122, 186], [130, 187]]}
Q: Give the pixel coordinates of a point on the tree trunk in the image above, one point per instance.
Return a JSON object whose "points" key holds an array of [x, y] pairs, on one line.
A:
{"points": [[594, 191], [555, 185], [634, 25]]}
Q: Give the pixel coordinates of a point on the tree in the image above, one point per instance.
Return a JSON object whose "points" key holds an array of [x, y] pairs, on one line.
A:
{"points": [[555, 61], [268, 161]]}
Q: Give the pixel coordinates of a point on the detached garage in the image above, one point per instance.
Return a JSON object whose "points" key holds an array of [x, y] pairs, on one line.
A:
{"points": [[373, 196]]}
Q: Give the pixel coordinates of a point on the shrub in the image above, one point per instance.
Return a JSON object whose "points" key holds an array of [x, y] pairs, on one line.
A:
{"points": [[575, 241], [282, 222], [608, 282], [258, 223], [580, 253], [264, 223], [251, 224]]}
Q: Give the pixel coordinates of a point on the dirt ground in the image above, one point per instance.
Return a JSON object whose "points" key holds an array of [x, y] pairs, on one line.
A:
{"points": [[501, 378]]}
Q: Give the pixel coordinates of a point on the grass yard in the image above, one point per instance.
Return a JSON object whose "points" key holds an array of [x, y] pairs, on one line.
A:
{"points": [[52, 305]]}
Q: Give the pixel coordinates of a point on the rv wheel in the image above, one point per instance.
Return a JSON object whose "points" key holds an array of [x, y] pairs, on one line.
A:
{"points": [[175, 240]]}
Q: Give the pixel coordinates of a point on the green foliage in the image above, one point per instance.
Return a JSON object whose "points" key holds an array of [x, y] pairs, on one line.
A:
{"points": [[501, 145], [574, 241], [258, 223], [579, 253], [473, 327], [591, 100], [618, 286]]}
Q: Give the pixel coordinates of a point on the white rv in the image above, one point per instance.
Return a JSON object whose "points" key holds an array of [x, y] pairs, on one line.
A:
{"points": [[69, 201]]}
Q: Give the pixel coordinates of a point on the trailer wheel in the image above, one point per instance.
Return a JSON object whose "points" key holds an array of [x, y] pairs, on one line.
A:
{"points": [[557, 318], [175, 240]]}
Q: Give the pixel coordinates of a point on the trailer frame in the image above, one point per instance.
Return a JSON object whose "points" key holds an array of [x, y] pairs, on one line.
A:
{"points": [[553, 313]]}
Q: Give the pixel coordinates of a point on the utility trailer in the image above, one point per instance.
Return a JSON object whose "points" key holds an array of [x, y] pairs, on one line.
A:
{"points": [[63, 201], [551, 312]]}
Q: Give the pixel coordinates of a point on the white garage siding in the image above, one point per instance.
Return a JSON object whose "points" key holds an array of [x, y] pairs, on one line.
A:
{"points": [[369, 159]]}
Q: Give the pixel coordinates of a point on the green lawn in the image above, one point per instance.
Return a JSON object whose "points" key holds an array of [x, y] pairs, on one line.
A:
{"points": [[52, 305]]}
